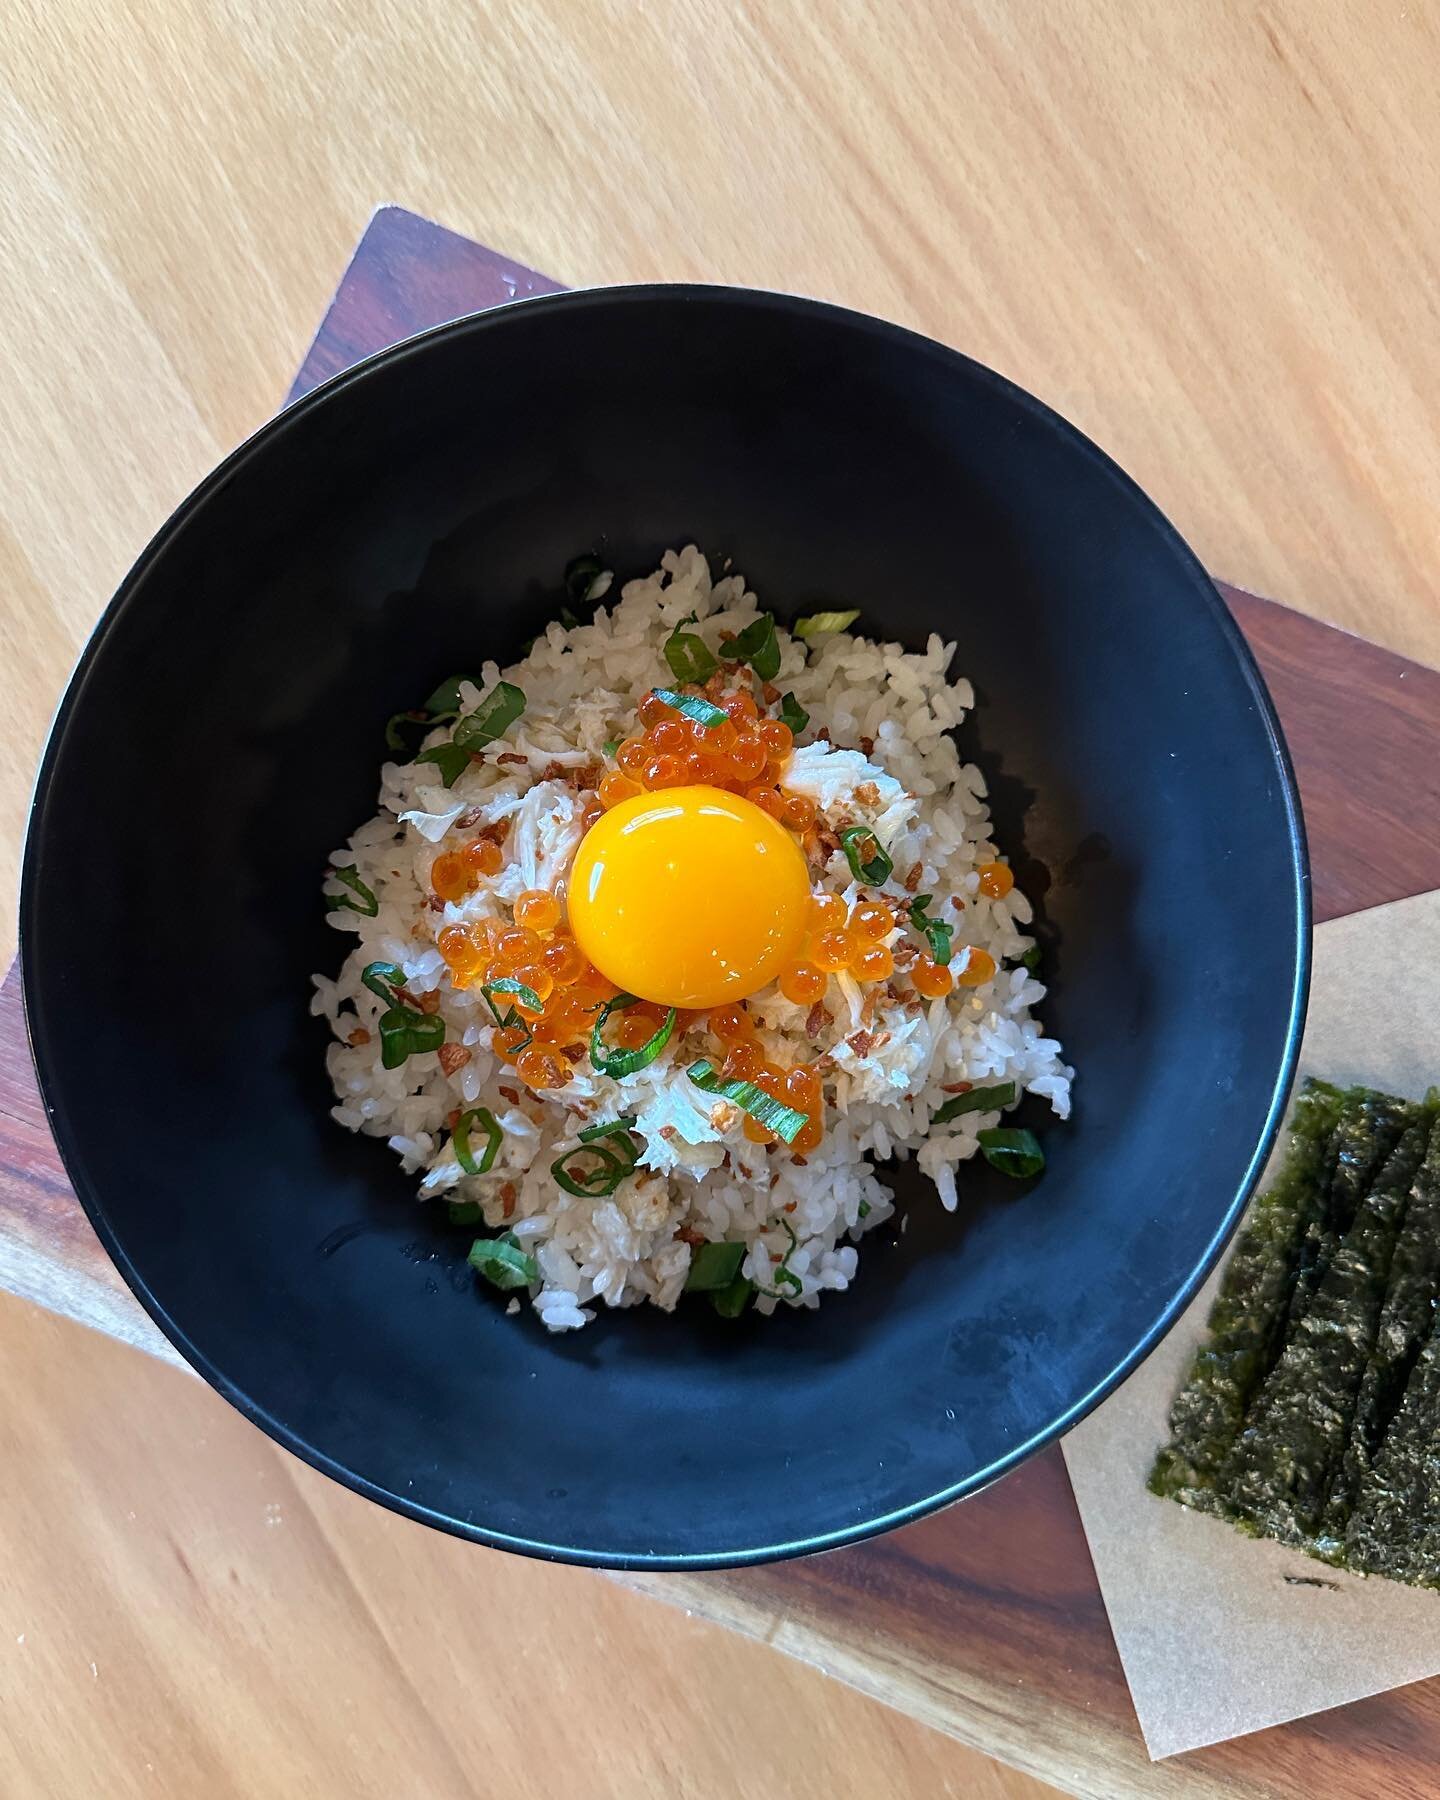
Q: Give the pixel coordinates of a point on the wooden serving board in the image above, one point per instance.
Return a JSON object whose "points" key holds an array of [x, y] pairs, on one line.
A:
{"points": [[984, 1620]]}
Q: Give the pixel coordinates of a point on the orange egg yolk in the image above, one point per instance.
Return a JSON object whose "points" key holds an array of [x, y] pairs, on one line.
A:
{"points": [[689, 896]]}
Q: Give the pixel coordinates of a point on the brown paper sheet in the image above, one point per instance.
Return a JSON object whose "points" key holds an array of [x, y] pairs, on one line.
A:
{"points": [[1216, 1633]]}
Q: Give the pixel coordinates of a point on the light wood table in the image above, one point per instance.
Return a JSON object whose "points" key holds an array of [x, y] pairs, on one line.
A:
{"points": [[1204, 233]]}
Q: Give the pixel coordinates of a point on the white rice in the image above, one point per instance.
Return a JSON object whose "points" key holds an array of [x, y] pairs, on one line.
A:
{"points": [[697, 1173]]}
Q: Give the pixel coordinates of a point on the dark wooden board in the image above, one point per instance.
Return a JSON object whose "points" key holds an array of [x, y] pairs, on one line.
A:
{"points": [[985, 1620]]}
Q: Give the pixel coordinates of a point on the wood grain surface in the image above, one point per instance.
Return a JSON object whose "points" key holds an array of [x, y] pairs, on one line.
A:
{"points": [[1205, 233], [985, 1620]]}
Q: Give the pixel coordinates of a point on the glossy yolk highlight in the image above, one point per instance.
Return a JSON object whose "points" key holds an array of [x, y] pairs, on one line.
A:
{"points": [[688, 896]]}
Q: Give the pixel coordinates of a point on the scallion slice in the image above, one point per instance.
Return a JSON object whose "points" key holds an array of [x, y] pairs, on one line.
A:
{"points": [[399, 723], [793, 714], [689, 656], [758, 646], [444, 703], [382, 979], [404, 1033], [866, 855], [773, 1114], [626, 1122], [936, 931], [507, 984], [616, 1063], [982, 1099], [610, 746], [581, 575], [364, 900], [713, 1266], [702, 711], [591, 1171], [817, 624], [464, 1151], [502, 1262], [491, 719], [448, 758], [1030, 961], [731, 1301], [1014, 1153], [465, 1212]]}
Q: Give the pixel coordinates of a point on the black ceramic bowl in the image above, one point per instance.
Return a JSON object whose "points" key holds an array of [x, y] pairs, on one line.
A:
{"points": [[223, 733]]}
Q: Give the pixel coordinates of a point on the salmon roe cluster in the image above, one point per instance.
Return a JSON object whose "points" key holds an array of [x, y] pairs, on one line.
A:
{"points": [[854, 941], [537, 951], [745, 1061], [744, 754]]}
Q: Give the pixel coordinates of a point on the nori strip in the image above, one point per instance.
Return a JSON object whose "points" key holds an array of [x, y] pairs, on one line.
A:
{"points": [[1248, 1317], [1295, 1434], [1393, 1530], [1405, 1322], [1366, 1132]]}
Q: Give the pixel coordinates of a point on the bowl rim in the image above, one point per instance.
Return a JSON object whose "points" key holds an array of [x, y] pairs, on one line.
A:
{"points": [[603, 297]]}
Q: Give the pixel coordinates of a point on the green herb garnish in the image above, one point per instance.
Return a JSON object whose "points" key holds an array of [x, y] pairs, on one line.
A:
{"points": [[465, 1212], [936, 931], [403, 1031], [626, 1122], [773, 1114], [793, 714], [591, 1171], [703, 712], [491, 719], [364, 900], [444, 703], [581, 574], [866, 855], [616, 1063], [689, 656], [984, 1099], [502, 1262], [448, 758], [713, 1266], [758, 646], [1030, 961], [507, 984], [1014, 1153], [460, 1140], [610, 746], [731, 1301], [819, 623], [400, 722]]}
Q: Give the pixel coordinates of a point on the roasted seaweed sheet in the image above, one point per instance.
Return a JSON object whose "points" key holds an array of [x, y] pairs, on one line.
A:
{"points": [[1312, 1413]]}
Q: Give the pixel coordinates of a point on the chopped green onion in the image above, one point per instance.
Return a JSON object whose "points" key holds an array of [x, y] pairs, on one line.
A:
{"points": [[703, 712], [568, 619], [986, 1099], [689, 656], [616, 1063], [773, 1114], [364, 902], [448, 758], [731, 1301], [758, 646], [404, 1033], [460, 1140], [446, 699], [491, 719], [611, 745], [938, 933], [864, 1209], [713, 1266], [374, 974], [404, 721], [465, 1212], [871, 869], [581, 574], [1031, 959], [507, 984], [818, 623], [626, 1122], [793, 714], [591, 1171], [1014, 1153], [502, 1262], [790, 1278]]}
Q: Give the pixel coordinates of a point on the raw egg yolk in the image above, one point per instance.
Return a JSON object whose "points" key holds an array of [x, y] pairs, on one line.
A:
{"points": [[689, 896]]}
